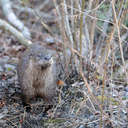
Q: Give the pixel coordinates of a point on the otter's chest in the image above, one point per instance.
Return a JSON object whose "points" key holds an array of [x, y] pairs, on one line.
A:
{"points": [[42, 78]]}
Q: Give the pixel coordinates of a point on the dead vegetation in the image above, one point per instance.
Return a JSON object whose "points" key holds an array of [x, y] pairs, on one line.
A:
{"points": [[90, 39]]}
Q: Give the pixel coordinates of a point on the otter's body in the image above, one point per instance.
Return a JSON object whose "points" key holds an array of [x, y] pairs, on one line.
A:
{"points": [[36, 72]]}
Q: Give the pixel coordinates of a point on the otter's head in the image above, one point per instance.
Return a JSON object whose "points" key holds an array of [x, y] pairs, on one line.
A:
{"points": [[41, 57], [43, 60]]}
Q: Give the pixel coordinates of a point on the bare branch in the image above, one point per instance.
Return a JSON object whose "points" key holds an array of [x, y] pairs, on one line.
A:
{"points": [[15, 32], [12, 18]]}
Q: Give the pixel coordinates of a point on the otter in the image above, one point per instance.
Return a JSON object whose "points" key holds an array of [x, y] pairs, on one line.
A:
{"points": [[37, 74]]}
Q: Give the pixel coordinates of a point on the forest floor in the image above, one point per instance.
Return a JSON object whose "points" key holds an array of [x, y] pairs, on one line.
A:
{"points": [[75, 107]]}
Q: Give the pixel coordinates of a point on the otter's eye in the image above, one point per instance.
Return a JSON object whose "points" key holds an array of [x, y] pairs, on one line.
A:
{"points": [[47, 57], [39, 55]]}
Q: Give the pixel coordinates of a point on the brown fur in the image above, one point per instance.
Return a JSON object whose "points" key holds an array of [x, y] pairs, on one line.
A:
{"points": [[36, 73]]}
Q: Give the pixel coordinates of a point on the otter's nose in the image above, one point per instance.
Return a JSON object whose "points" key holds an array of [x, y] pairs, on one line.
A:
{"points": [[47, 57]]}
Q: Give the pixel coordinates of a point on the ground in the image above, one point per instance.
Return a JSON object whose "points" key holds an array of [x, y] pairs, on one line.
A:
{"points": [[75, 106]]}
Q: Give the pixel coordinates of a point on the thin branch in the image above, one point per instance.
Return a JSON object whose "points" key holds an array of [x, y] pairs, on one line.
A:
{"points": [[67, 26]]}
